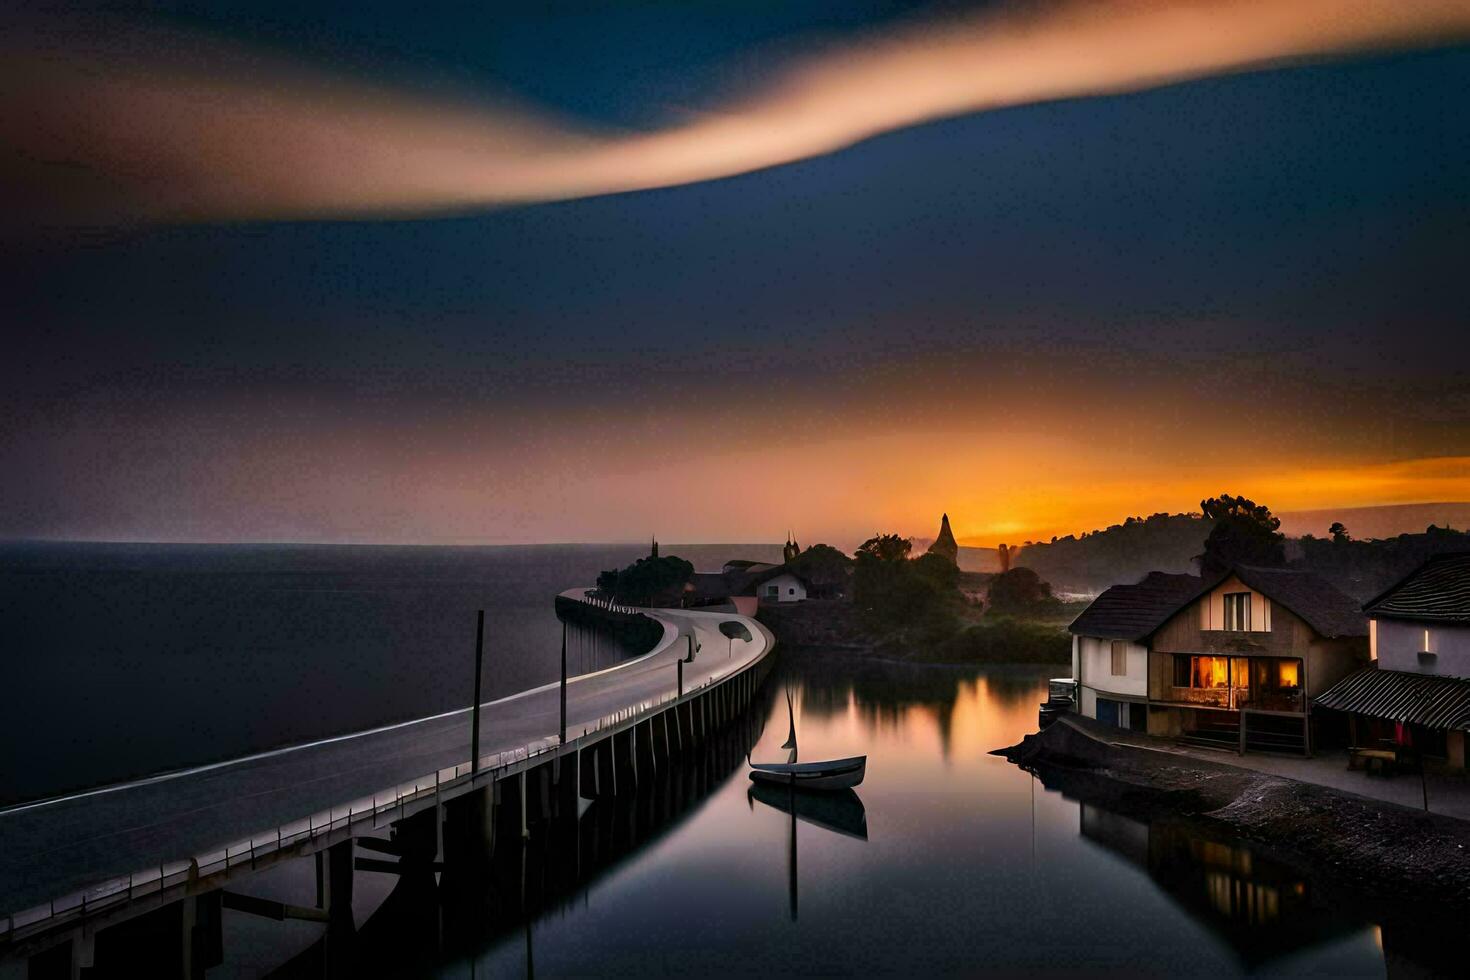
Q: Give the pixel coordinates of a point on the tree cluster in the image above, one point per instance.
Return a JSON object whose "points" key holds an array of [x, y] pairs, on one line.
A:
{"points": [[892, 591], [823, 566], [642, 582], [1245, 533], [1019, 591]]}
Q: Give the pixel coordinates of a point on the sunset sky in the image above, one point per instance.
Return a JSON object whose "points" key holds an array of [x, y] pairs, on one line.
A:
{"points": [[1041, 318]]}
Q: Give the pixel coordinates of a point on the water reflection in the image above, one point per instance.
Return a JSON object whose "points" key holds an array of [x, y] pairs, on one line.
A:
{"points": [[841, 812], [1263, 909]]}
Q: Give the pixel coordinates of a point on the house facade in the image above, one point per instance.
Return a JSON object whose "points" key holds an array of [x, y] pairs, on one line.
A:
{"points": [[1231, 661], [1239, 664], [1415, 695]]}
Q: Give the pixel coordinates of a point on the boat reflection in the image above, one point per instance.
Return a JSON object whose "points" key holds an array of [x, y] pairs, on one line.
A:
{"points": [[841, 812]]}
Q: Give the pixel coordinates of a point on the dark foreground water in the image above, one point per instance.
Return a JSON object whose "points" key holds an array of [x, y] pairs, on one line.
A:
{"points": [[125, 659]]}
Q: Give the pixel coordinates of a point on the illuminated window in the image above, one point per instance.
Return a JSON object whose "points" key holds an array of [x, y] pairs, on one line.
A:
{"points": [[1203, 672], [1288, 673], [1120, 658], [1237, 611]]}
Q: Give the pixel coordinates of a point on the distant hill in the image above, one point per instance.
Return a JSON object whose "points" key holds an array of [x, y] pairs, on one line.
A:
{"points": [[1387, 521], [1126, 552], [1122, 553], [1363, 569]]}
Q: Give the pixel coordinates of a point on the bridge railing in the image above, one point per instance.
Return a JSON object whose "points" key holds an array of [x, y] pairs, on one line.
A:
{"points": [[244, 853]]}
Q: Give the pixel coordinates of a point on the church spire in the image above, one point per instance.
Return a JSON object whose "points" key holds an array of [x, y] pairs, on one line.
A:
{"points": [[944, 544], [653, 551]]}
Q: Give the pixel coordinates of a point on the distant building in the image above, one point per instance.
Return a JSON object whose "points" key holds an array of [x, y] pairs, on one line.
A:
{"points": [[757, 580], [784, 586], [1416, 693], [1232, 660], [945, 545]]}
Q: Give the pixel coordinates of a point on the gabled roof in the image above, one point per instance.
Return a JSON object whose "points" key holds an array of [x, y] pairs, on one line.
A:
{"points": [[1132, 612], [1401, 695], [1437, 591], [1322, 605]]}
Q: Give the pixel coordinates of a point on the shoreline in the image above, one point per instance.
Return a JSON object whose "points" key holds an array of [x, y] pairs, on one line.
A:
{"points": [[1381, 853]]}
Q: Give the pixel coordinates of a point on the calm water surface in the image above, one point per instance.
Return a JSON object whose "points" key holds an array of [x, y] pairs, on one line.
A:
{"points": [[955, 861]]}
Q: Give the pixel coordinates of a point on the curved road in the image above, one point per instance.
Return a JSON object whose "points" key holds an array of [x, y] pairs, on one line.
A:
{"points": [[55, 847]]}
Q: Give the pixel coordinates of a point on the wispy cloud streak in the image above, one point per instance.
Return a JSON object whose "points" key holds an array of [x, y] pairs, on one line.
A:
{"points": [[170, 127]]}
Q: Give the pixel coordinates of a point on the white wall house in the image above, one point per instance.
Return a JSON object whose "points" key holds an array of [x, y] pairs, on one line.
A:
{"points": [[1422, 647], [783, 588], [1112, 680], [1110, 653]]}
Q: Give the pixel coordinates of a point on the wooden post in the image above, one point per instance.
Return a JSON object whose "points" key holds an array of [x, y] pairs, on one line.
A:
{"points": [[475, 714]]}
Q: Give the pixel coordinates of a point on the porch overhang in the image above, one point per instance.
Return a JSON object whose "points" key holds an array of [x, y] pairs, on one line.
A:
{"points": [[1402, 696]]}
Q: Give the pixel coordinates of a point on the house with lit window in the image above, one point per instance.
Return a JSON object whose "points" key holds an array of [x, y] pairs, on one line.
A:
{"points": [[1238, 665], [1232, 660], [1415, 695]]}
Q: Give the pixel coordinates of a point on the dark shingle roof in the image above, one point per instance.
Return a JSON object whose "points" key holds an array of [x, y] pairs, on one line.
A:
{"points": [[1132, 612], [1324, 607], [1401, 695], [1437, 591]]}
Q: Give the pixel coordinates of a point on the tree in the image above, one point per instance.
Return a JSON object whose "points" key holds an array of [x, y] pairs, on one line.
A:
{"points": [[1339, 533], [892, 592], [644, 580], [1018, 590], [1245, 533], [885, 547], [937, 570], [822, 566]]}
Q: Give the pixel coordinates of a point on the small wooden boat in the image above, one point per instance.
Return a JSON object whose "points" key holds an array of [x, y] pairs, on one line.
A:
{"points": [[834, 774], [831, 775]]}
